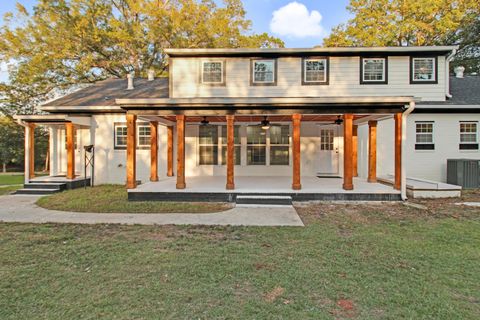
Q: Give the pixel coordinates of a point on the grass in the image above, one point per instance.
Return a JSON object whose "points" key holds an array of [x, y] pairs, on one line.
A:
{"points": [[113, 198], [5, 190], [11, 179], [354, 261]]}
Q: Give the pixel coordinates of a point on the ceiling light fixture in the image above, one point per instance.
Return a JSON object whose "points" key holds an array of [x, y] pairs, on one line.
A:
{"points": [[204, 122], [265, 123]]}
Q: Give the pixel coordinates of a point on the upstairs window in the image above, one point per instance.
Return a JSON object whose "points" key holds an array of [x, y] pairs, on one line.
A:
{"points": [[213, 72], [263, 72], [315, 71], [424, 135], [468, 135], [373, 70], [423, 70]]}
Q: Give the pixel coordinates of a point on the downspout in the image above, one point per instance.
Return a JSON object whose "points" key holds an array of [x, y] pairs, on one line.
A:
{"points": [[405, 114], [447, 73]]}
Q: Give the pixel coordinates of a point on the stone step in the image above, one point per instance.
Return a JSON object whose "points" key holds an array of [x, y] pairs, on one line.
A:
{"points": [[38, 185], [264, 199], [37, 191]]}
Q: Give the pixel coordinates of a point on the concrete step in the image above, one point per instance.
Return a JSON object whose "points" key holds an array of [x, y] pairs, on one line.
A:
{"points": [[37, 191], [264, 199], [38, 185]]}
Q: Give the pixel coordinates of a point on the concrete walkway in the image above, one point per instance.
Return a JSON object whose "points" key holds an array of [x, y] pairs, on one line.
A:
{"points": [[19, 208]]}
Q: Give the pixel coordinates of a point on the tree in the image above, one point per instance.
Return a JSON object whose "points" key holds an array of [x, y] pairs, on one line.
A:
{"points": [[410, 23], [11, 143], [66, 42]]}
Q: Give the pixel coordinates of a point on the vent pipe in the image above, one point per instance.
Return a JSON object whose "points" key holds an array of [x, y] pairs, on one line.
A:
{"points": [[151, 75], [130, 81]]}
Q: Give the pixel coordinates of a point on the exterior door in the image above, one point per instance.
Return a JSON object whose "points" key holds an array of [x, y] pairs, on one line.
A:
{"points": [[328, 162]]}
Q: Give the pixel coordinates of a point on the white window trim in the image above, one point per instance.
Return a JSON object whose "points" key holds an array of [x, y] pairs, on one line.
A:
{"points": [[324, 70], [118, 146], [433, 132], [221, 72], [460, 135], [253, 70], [124, 146], [138, 136], [383, 68], [270, 145], [265, 145], [219, 140], [434, 71]]}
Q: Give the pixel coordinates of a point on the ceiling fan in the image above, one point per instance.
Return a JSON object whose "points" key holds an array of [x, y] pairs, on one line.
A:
{"points": [[337, 122]]}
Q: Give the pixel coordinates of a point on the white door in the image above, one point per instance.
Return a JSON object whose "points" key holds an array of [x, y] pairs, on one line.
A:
{"points": [[328, 162]]}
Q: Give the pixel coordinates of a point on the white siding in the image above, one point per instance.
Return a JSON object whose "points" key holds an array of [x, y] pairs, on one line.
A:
{"points": [[344, 80]]}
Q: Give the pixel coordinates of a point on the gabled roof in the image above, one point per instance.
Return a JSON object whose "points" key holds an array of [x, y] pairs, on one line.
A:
{"points": [[464, 91], [104, 93]]}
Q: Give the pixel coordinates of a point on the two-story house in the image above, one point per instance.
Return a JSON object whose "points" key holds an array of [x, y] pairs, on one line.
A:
{"points": [[319, 123]]}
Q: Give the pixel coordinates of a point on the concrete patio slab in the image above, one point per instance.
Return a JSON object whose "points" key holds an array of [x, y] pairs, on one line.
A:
{"points": [[18, 208]]}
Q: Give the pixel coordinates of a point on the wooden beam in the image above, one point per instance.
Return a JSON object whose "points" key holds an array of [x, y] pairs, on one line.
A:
{"points": [[131, 151], [398, 151], [153, 151], [372, 151], [170, 151], [230, 152], [70, 136], [355, 149], [347, 152], [181, 152], [296, 123]]}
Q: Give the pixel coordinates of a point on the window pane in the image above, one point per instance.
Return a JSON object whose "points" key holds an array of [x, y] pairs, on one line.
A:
{"points": [[143, 135], [256, 135], [120, 136], [237, 156], [279, 134], [373, 69], [423, 69], [468, 132], [208, 155], [256, 155], [279, 155], [315, 70], [263, 71], [208, 134], [212, 72], [424, 133], [327, 137], [121, 141]]}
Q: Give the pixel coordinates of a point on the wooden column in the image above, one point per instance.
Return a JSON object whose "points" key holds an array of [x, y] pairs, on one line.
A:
{"points": [[29, 152], [181, 152], [296, 123], [153, 151], [170, 151], [131, 151], [372, 151], [355, 149], [347, 152], [398, 151], [70, 134], [230, 152]]}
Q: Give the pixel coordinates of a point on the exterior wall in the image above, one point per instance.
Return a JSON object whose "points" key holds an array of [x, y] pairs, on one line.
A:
{"points": [[344, 80], [424, 164]]}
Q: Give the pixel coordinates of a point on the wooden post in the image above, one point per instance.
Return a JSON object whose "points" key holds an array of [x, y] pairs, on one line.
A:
{"points": [[398, 151], [153, 151], [296, 180], [355, 149], [230, 152], [70, 134], [131, 151], [170, 151], [29, 152], [347, 152], [372, 151], [181, 152]]}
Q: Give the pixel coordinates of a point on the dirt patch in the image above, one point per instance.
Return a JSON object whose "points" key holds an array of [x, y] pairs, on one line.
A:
{"points": [[345, 308], [274, 294]]}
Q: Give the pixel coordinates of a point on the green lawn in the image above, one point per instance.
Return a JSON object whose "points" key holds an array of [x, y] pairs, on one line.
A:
{"points": [[9, 179], [5, 190], [113, 198], [350, 261]]}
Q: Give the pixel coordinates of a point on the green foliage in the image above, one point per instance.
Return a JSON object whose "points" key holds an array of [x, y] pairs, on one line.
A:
{"points": [[411, 23], [66, 42]]}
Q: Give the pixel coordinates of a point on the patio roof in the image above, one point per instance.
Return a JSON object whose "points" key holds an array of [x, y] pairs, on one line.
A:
{"points": [[53, 119]]}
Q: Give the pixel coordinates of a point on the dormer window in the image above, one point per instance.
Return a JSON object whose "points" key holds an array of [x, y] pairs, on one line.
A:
{"points": [[423, 70], [314, 71], [213, 72], [373, 70], [263, 72]]}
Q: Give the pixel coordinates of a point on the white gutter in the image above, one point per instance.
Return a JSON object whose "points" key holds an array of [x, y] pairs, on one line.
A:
{"points": [[405, 114], [447, 72]]}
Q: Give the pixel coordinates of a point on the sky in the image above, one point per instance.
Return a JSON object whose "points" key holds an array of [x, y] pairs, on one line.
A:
{"points": [[300, 23]]}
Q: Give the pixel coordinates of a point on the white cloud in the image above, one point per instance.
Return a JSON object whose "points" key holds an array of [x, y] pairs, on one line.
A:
{"points": [[294, 20]]}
